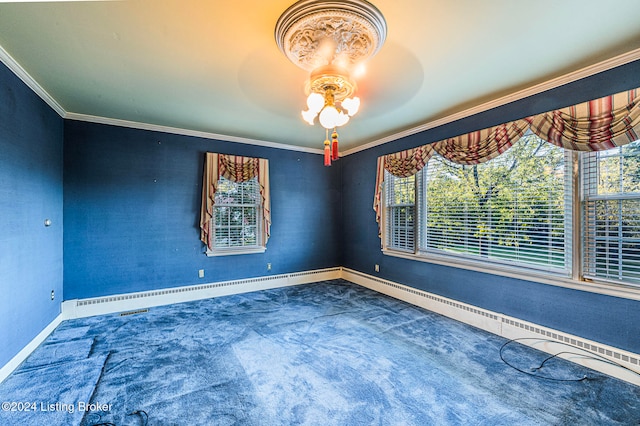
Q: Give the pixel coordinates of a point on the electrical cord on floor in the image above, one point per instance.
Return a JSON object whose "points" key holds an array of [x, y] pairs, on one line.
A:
{"points": [[585, 354], [138, 412]]}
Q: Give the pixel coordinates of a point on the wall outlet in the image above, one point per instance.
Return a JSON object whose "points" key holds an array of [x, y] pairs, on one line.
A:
{"points": [[376, 268], [53, 294], [268, 266], [201, 273]]}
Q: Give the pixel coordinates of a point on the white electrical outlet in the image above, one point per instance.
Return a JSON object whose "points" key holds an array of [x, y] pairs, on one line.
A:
{"points": [[201, 273], [268, 266], [53, 295], [377, 268]]}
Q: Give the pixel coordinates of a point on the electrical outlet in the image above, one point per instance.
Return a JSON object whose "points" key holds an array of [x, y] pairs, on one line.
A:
{"points": [[53, 295], [376, 268], [201, 273], [268, 266]]}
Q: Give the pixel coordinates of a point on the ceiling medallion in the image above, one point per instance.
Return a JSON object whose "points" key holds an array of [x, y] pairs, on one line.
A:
{"points": [[330, 39]]}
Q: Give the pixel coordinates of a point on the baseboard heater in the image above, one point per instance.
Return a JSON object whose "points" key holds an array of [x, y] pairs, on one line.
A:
{"points": [[79, 308], [542, 338]]}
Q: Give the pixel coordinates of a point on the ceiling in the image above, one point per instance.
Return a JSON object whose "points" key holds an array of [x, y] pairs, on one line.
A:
{"points": [[214, 67]]}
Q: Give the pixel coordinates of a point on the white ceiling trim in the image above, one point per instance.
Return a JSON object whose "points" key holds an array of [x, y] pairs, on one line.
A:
{"points": [[608, 64], [530, 91], [186, 132], [23, 75]]}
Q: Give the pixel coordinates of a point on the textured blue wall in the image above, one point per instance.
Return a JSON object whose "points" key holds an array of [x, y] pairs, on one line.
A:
{"points": [[31, 139], [132, 205], [609, 320]]}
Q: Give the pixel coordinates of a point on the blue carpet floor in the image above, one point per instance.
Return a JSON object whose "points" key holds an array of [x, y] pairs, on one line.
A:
{"points": [[330, 353]]}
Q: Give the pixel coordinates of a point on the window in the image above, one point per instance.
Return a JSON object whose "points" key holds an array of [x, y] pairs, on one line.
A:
{"points": [[611, 214], [400, 201], [517, 210], [235, 214], [512, 210], [236, 219]]}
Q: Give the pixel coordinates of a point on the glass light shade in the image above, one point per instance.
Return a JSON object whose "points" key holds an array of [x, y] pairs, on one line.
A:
{"points": [[329, 117], [309, 116], [342, 119], [315, 102], [351, 105]]}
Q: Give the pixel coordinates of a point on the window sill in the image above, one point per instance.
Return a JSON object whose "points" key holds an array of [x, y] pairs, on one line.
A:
{"points": [[235, 251], [537, 276]]}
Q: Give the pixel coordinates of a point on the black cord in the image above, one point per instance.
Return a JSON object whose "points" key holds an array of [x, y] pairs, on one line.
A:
{"points": [[585, 354], [140, 412], [100, 420]]}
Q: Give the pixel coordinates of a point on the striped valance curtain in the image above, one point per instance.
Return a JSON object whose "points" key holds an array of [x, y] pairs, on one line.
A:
{"points": [[236, 169], [482, 145], [402, 164], [590, 126]]}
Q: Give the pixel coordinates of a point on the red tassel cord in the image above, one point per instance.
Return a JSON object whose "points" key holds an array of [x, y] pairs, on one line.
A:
{"points": [[327, 153], [334, 152]]}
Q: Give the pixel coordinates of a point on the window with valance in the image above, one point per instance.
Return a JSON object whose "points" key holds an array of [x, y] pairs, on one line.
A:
{"points": [[235, 215], [557, 192]]}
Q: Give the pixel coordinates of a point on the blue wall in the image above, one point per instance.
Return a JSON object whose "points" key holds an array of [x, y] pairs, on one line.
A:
{"points": [[132, 205], [605, 319], [31, 138]]}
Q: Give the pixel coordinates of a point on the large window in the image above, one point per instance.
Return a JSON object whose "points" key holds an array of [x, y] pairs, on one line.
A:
{"points": [[401, 200], [517, 211], [235, 214], [511, 210], [611, 212], [236, 219]]}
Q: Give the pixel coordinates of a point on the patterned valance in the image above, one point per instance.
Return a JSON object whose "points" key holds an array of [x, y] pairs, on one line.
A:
{"points": [[596, 125], [236, 169], [592, 126], [402, 164], [481, 145]]}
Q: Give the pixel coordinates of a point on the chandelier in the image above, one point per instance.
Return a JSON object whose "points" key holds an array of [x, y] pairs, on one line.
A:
{"points": [[330, 40]]}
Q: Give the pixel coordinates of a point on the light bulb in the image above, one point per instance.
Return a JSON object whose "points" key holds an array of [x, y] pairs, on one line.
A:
{"points": [[315, 102], [342, 119], [359, 71], [309, 116], [351, 105], [329, 117]]}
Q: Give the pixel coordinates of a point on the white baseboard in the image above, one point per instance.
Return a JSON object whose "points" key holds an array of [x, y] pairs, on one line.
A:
{"points": [[496, 323], [19, 358], [542, 338], [80, 308]]}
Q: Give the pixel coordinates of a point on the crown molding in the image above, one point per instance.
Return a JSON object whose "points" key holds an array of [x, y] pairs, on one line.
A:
{"points": [[23, 75], [186, 132], [26, 78], [588, 71]]}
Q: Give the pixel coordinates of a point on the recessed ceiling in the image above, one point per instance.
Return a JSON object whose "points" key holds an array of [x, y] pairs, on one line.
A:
{"points": [[215, 67]]}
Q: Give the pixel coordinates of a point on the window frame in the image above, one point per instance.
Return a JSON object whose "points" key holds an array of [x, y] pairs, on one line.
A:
{"points": [[259, 246], [388, 212], [590, 197], [575, 280]]}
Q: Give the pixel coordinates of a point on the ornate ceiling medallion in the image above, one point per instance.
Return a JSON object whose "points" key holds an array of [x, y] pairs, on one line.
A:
{"points": [[329, 39], [315, 33]]}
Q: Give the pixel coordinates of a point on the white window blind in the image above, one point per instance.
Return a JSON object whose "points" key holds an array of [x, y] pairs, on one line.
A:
{"points": [[514, 209], [237, 214], [400, 214], [611, 214]]}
